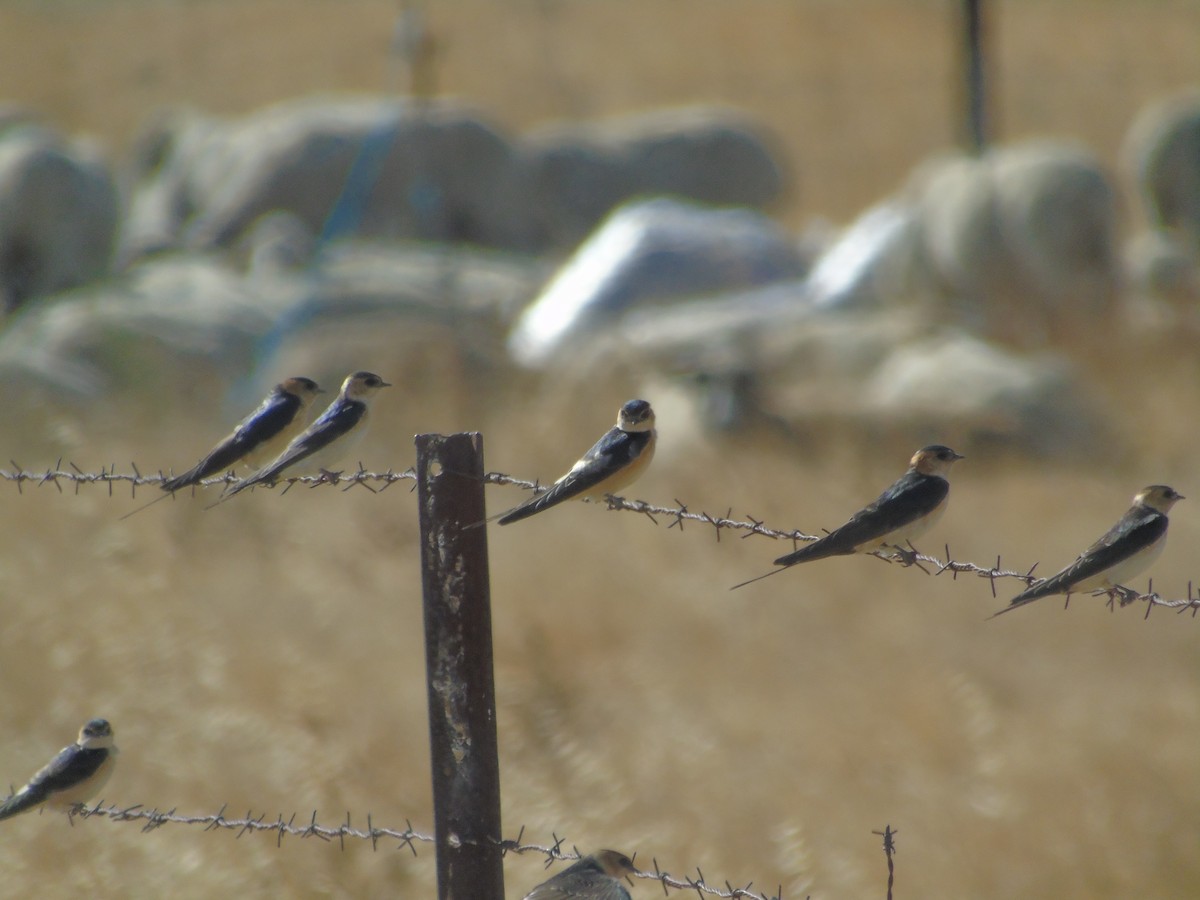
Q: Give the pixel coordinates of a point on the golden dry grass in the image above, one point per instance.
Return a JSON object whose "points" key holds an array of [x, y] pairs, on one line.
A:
{"points": [[268, 654]]}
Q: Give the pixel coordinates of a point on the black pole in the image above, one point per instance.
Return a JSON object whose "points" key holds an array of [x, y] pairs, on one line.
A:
{"points": [[458, 667], [974, 82]]}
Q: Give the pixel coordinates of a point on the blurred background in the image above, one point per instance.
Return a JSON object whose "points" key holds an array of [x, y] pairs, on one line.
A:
{"points": [[763, 217]]}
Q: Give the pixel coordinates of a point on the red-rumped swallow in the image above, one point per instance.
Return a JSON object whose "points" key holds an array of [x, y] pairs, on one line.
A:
{"points": [[595, 877], [615, 461], [73, 777], [906, 510], [260, 436], [1126, 549], [334, 433]]}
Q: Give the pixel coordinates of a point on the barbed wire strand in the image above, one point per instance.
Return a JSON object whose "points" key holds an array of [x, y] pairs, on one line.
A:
{"points": [[406, 838], [676, 517], [889, 850]]}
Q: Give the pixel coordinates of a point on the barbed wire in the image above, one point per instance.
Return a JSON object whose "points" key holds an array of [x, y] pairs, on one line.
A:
{"points": [[406, 838], [676, 516], [889, 850]]}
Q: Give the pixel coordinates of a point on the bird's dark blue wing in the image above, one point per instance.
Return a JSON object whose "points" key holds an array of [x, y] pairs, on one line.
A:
{"points": [[615, 451], [273, 415], [912, 496], [1140, 527], [334, 423], [71, 766]]}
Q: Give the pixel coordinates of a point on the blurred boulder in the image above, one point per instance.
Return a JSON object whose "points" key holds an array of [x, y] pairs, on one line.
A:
{"points": [[872, 263], [1022, 242], [1162, 280], [179, 319], [348, 166], [278, 242], [955, 384], [425, 170], [58, 211], [1159, 265], [574, 174], [1162, 153], [649, 253], [769, 358], [1019, 245]]}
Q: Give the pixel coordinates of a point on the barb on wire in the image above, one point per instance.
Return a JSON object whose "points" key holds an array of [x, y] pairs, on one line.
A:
{"points": [[407, 837], [20, 476], [152, 819], [702, 887], [675, 516]]}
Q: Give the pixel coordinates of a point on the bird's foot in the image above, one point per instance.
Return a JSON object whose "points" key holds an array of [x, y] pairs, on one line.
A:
{"points": [[906, 556], [1120, 595]]}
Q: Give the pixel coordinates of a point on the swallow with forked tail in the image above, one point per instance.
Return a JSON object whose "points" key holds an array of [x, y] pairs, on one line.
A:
{"points": [[260, 436], [329, 438], [1126, 549], [614, 462], [73, 777], [906, 510]]}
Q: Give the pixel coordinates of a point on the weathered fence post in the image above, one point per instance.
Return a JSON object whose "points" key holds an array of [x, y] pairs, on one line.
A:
{"points": [[974, 75], [458, 667]]}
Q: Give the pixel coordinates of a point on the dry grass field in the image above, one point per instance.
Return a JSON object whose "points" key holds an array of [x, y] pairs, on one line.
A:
{"points": [[268, 654]]}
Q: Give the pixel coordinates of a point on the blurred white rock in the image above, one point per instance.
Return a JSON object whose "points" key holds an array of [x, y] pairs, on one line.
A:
{"points": [[574, 173], [344, 166], [182, 316], [1161, 153], [650, 253], [58, 212]]}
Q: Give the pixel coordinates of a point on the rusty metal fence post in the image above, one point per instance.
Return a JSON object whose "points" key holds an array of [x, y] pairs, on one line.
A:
{"points": [[458, 667]]}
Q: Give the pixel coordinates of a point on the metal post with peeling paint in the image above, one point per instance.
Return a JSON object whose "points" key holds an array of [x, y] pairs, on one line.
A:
{"points": [[458, 667]]}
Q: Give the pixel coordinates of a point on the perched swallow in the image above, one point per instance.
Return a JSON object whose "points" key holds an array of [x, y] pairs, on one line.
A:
{"points": [[615, 461], [330, 437], [1126, 549], [74, 776], [904, 511], [595, 877], [260, 436]]}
